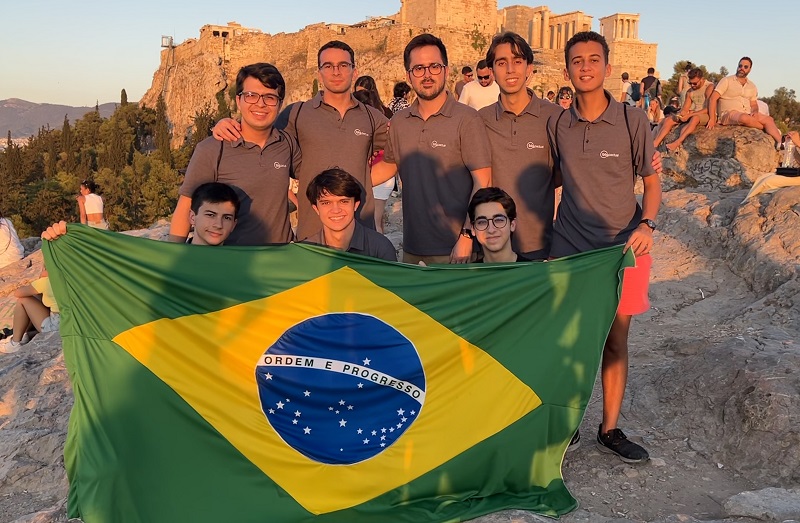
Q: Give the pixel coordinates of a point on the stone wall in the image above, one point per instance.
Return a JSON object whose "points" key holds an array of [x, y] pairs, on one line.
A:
{"points": [[192, 73]]}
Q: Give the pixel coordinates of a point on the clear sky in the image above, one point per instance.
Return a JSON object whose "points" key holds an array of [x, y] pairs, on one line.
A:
{"points": [[77, 53]]}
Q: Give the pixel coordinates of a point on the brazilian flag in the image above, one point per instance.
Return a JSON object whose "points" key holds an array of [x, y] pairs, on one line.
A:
{"points": [[295, 383]]}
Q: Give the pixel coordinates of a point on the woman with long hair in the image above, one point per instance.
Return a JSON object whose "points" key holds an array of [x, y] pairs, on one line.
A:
{"points": [[367, 83], [90, 206]]}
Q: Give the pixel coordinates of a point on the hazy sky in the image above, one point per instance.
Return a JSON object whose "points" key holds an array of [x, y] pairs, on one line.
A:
{"points": [[77, 53]]}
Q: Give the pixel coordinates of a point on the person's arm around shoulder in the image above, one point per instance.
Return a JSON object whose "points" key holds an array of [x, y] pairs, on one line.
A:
{"points": [[227, 129]]}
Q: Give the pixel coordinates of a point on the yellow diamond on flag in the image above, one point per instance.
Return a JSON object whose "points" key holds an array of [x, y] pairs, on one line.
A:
{"points": [[210, 360]]}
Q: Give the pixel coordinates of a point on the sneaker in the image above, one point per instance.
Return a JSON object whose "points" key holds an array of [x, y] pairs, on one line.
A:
{"points": [[575, 442], [615, 442], [9, 346]]}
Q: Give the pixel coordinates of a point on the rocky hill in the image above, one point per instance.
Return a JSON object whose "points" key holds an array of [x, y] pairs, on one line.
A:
{"points": [[714, 388], [25, 118]]}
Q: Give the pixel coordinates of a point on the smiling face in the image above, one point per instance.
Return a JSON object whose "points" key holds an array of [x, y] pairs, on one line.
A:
{"points": [[213, 222], [257, 116], [336, 212], [493, 239], [510, 71], [587, 68], [429, 86]]}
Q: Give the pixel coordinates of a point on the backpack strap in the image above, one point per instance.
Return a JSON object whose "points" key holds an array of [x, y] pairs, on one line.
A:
{"points": [[286, 137], [371, 135], [630, 139], [219, 159]]}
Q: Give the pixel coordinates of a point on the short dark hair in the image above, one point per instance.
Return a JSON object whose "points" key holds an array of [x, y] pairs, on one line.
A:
{"points": [[625, 76], [466, 69], [401, 89], [482, 64], [519, 47], [748, 59], [267, 74], [651, 70], [215, 192], [695, 73], [337, 44], [586, 36], [336, 182], [423, 40], [492, 194], [551, 92]]}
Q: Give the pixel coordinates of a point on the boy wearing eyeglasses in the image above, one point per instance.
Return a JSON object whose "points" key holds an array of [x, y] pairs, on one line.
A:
{"points": [[258, 165], [334, 129], [493, 215], [441, 151]]}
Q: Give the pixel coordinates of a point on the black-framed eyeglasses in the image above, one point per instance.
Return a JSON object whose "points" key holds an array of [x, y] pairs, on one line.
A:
{"points": [[419, 70], [344, 67], [484, 77], [252, 98], [499, 221]]}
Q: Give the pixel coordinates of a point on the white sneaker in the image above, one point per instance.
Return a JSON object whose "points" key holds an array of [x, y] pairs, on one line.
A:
{"points": [[9, 346]]}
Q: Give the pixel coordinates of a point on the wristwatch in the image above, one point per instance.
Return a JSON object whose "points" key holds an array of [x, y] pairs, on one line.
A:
{"points": [[649, 223], [466, 233]]}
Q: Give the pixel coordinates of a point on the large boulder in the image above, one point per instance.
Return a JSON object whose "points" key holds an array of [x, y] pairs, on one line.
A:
{"points": [[724, 158]]}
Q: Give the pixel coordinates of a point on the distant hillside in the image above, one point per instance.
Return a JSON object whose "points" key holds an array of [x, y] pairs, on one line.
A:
{"points": [[25, 118]]}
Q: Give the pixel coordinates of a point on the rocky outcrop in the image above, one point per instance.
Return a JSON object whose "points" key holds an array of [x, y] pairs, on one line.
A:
{"points": [[723, 159]]}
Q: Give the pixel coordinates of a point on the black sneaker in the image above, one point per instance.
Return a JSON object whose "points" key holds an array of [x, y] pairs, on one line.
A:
{"points": [[575, 442], [615, 442]]}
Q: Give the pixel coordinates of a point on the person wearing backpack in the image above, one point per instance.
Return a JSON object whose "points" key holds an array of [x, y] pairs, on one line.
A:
{"points": [[630, 91], [650, 89]]}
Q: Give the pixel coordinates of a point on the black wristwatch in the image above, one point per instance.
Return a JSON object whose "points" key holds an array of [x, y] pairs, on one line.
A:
{"points": [[649, 223], [466, 233]]}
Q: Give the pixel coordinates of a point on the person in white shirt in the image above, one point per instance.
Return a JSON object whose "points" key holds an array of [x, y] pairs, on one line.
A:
{"points": [[481, 92], [10, 247]]}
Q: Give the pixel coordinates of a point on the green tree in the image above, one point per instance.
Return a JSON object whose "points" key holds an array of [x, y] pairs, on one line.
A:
{"points": [[478, 40], [123, 98], [11, 197], [160, 191], [68, 146], [162, 132], [784, 109]]}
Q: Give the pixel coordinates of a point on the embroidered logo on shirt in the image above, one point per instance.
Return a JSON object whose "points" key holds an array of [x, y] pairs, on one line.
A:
{"points": [[436, 144], [606, 154], [279, 165], [359, 132], [531, 145]]}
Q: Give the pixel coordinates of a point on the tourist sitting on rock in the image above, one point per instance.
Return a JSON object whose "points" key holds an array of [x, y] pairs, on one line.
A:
{"points": [[693, 113], [10, 248], [771, 182], [735, 102], [90, 206], [36, 307], [335, 196], [654, 113]]}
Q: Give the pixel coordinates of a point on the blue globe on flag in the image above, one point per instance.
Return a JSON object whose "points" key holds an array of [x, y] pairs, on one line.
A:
{"points": [[342, 387]]}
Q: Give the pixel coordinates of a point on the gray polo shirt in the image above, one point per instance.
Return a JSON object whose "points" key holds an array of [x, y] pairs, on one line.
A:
{"points": [[598, 207], [259, 176], [329, 140], [522, 165], [367, 242], [434, 158]]}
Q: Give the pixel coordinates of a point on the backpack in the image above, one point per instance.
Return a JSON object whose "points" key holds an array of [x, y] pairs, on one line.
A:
{"points": [[636, 93]]}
